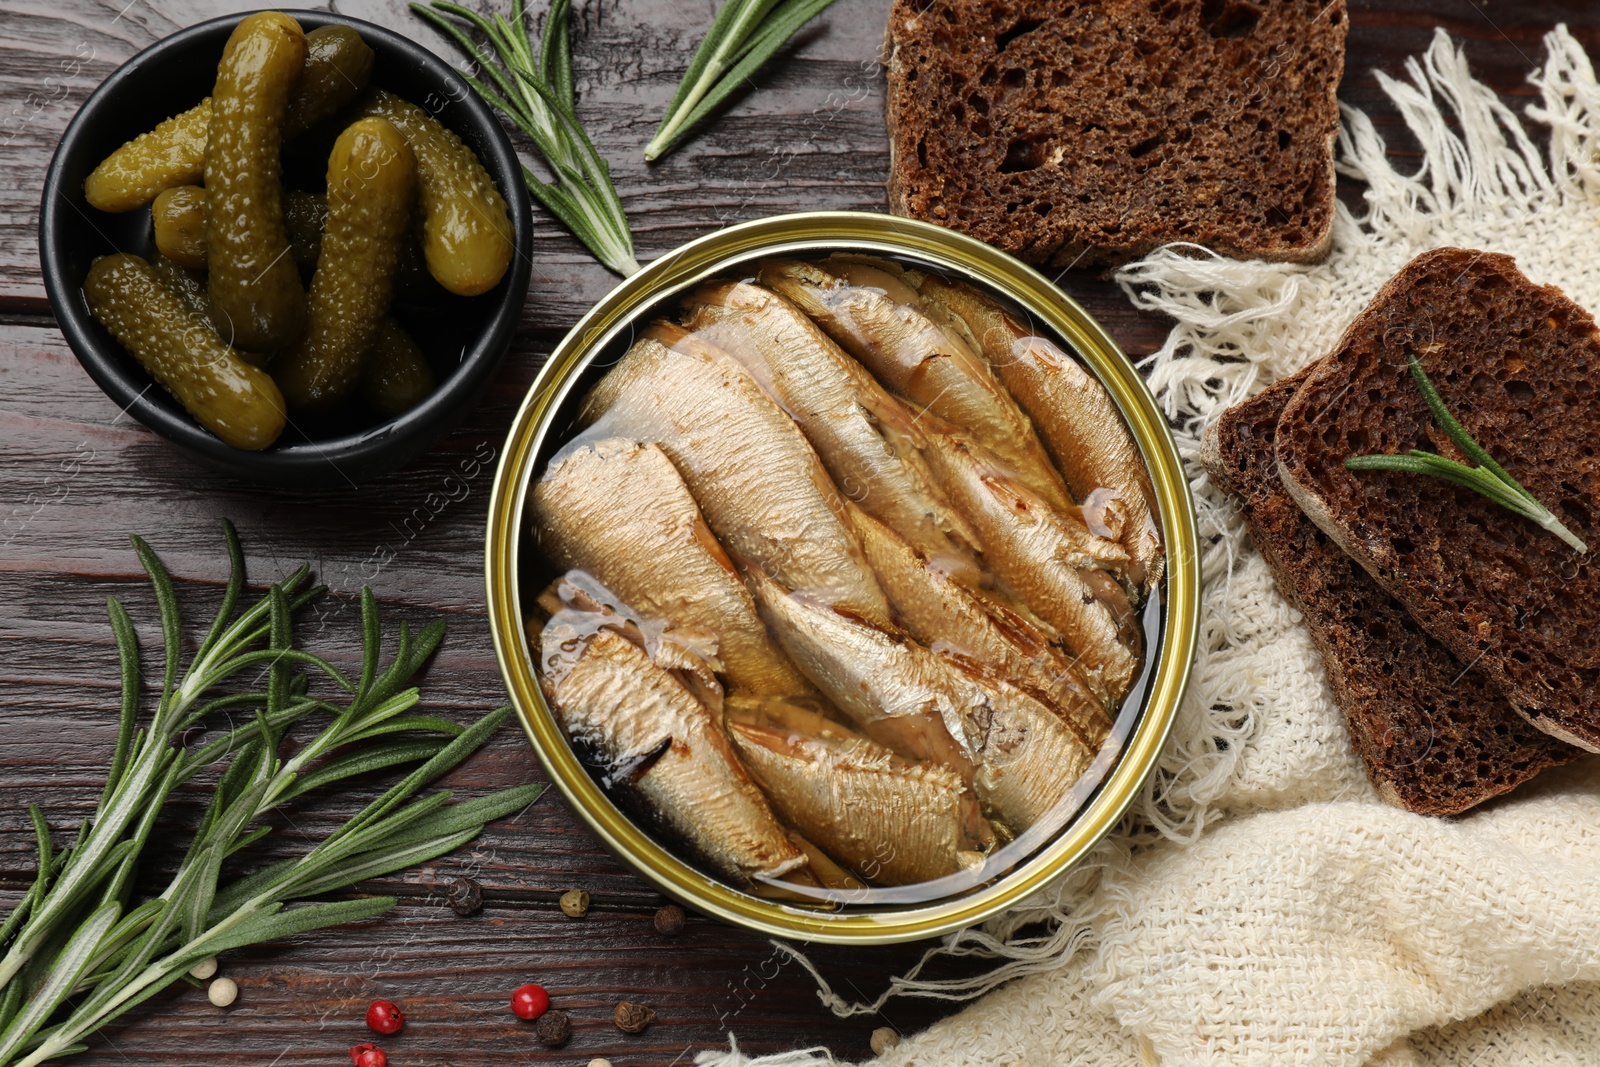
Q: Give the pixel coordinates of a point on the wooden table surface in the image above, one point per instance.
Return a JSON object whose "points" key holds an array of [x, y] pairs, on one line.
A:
{"points": [[76, 478]]}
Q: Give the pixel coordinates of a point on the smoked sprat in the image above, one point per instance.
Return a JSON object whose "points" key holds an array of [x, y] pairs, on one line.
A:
{"points": [[837, 608]]}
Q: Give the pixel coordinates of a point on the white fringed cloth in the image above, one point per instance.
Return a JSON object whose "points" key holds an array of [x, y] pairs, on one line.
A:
{"points": [[1261, 906]]}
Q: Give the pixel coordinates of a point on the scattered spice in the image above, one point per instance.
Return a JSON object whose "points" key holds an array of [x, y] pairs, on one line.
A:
{"points": [[553, 1029], [575, 902], [369, 1056], [884, 1038], [365, 1046], [465, 897], [204, 969], [632, 1018], [529, 1001], [385, 1017], [599, 1061], [223, 991], [670, 920]]}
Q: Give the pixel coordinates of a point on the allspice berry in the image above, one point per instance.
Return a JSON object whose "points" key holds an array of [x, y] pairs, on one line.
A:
{"points": [[553, 1029], [465, 897], [669, 921], [575, 902], [633, 1018], [884, 1038]]}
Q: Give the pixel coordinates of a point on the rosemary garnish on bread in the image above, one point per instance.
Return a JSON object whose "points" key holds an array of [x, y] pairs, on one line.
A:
{"points": [[1488, 478]]}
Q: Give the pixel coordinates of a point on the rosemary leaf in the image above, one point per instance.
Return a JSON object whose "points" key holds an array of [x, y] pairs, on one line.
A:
{"points": [[269, 925], [743, 36], [128, 656], [1488, 479], [362, 761], [64, 974], [533, 89], [428, 723], [379, 862], [1475, 478], [167, 603]]}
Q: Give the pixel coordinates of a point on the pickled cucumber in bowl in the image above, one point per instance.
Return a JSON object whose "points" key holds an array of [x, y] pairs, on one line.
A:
{"points": [[264, 302]]}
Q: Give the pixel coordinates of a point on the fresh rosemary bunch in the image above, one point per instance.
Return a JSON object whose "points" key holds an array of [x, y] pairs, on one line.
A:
{"points": [[743, 36], [533, 88], [1488, 478], [80, 952]]}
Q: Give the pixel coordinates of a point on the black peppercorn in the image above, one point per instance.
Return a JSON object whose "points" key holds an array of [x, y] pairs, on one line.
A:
{"points": [[669, 921], [553, 1029], [633, 1018], [465, 897]]}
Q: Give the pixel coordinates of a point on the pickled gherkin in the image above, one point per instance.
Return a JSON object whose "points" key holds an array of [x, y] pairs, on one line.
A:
{"points": [[190, 287], [188, 284], [256, 299], [371, 183], [466, 229], [237, 402], [337, 65], [174, 153], [179, 215], [397, 375]]}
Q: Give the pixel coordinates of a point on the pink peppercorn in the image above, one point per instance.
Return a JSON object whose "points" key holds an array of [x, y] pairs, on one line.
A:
{"points": [[530, 1001], [385, 1017]]}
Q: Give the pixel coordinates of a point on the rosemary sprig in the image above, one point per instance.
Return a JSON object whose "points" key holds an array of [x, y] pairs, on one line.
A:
{"points": [[1488, 478], [533, 88], [79, 955], [743, 36]]}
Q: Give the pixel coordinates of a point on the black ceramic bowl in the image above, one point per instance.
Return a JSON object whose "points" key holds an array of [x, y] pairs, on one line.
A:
{"points": [[464, 338]]}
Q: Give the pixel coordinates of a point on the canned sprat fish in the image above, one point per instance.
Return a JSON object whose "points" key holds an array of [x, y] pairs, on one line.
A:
{"points": [[843, 574]]}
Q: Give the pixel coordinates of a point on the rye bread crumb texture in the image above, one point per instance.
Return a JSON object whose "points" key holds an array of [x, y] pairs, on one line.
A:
{"points": [[1518, 365], [1093, 131], [1436, 738]]}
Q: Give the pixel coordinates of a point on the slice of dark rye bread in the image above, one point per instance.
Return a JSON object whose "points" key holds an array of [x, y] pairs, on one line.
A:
{"points": [[1074, 132], [1518, 365], [1436, 738]]}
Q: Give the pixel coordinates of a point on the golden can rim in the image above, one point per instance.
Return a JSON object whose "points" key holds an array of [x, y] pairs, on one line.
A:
{"points": [[812, 233]]}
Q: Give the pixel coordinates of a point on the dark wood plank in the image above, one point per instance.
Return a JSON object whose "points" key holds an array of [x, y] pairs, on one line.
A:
{"points": [[76, 478]]}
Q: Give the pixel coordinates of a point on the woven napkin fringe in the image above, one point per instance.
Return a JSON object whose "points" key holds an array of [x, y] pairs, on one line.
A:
{"points": [[1259, 763]]}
